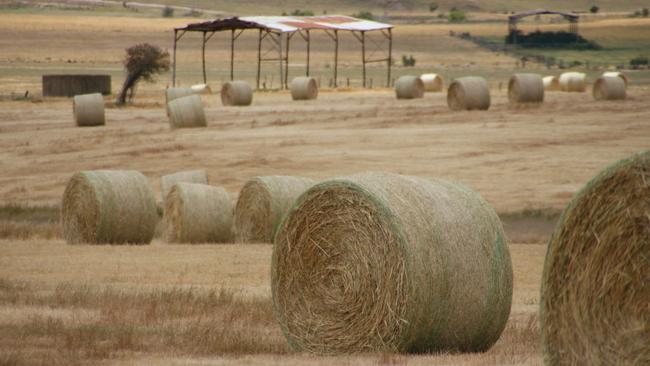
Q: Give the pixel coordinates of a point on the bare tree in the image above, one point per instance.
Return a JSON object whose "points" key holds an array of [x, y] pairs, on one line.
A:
{"points": [[142, 62]]}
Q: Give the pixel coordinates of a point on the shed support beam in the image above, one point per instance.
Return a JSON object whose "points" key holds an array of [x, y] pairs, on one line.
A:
{"points": [[308, 49], [205, 78], [259, 57], [177, 37], [363, 57], [390, 56]]}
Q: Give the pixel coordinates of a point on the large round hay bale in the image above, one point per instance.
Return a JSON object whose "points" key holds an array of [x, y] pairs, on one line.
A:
{"points": [[262, 203], [432, 82], [469, 93], [198, 213], [526, 88], [88, 110], [188, 176], [237, 93], [108, 207], [186, 112], [409, 87], [617, 74], [551, 83], [573, 82], [596, 282], [304, 88], [383, 262], [203, 89], [609, 88]]}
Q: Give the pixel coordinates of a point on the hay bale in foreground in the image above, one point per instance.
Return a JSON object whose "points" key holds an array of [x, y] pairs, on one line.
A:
{"points": [[262, 203], [409, 87], [595, 285], [188, 176], [432, 82], [526, 88], [469, 93], [203, 89], [304, 88], [383, 262], [551, 83], [186, 112], [617, 74], [237, 93], [108, 207], [573, 82], [198, 213], [88, 110], [609, 88]]}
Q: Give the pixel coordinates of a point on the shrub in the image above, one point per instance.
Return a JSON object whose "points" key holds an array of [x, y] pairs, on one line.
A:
{"points": [[639, 61], [560, 39], [408, 61], [302, 13], [364, 15], [433, 7], [645, 12], [168, 12], [594, 9], [456, 16]]}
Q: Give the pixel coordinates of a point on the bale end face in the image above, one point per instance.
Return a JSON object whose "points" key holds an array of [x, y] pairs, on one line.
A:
{"points": [[236, 93], [304, 88], [609, 88], [526, 88], [88, 110], [469, 93]]}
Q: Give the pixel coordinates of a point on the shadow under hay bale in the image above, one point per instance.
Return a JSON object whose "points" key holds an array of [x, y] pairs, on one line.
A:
{"points": [[526, 88], [71, 85], [236, 93], [88, 110], [468, 93], [108, 207], [595, 289], [304, 88], [409, 87], [609, 88], [198, 213], [384, 262], [262, 203]]}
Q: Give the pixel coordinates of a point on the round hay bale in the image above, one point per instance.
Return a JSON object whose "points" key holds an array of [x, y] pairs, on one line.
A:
{"points": [[617, 74], [432, 82], [573, 82], [469, 93], [188, 176], [198, 213], [203, 89], [108, 207], [383, 262], [237, 93], [186, 112], [88, 110], [609, 88], [595, 284], [304, 88], [175, 93], [551, 83], [526, 88], [409, 87], [262, 203]]}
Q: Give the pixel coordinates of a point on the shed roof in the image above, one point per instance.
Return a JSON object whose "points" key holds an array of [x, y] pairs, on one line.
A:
{"points": [[288, 24], [542, 12]]}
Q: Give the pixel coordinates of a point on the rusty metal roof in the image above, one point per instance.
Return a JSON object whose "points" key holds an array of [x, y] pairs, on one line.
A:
{"points": [[288, 24]]}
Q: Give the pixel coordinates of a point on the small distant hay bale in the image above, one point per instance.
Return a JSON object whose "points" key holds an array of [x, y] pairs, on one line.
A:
{"points": [[88, 110], [526, 88], [617, 74], [573, 82], [469, 93], [409, 87], [108, 207], [198, 213], [304, 88], [609, 88], [390, 263], [432, 82], [175, 93], [187, 112], [551, 83], [262, 203], [595, 285], [188, 176], [236, 93], [203, 89]]}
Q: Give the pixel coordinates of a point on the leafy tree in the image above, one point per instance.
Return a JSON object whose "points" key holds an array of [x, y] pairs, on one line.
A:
{"points": [[645, 12], [168, 12], [302, 13], [142, 62], [456, 15], [639, 61], [594, 9], [364, 15]]}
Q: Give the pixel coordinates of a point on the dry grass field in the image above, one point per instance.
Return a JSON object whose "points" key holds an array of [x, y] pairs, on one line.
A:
{"points": [[210, 304]]}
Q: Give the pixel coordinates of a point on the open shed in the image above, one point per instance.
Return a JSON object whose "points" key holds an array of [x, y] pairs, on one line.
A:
{"points": [[514, 19], [279, 30]]}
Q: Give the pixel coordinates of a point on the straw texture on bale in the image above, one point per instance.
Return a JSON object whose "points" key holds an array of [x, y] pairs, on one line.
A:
{"points": [[262, 203], [186, 112], [617, 74], [108, 207], [198, 213], [383, 262], [304, 88], [188, 176], [609, 88], [551, 83], [88, 110], [175, 93], [596, 279], [573, 82], [201, 89], [432, 82], [237, 93], [526, 88], [469, 93], [409, 87]]}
